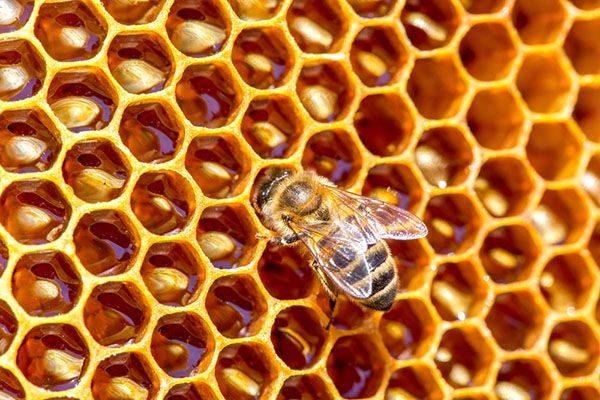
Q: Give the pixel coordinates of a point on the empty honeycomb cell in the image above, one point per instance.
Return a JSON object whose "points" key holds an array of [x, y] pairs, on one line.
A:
{"points": [[34, 211], [487, 51], [411, 260], [538, 22], [172, 273], [377, 55], [509, 253], [163, 202], [124, 376], [495, 118], [298, 337], [574, 348], [444, 156], [46, 283], [133, 12], [105, 242], [355, 366], [281, 265], [208, 95], [82, 99], [580, 393], [393, 183], [271, 126], [53, 356], [586, 111], [457, 291], [262, 57], [566, 282], [523, 378], [515, 319], [436, 87], [8, 329], [483, 6], [581, 48], [504, 186], [10, 386], [116, 314], [29, 141], [429, 24], [415, 381], [227, 236], [236, 306], [22, 70], [252, 10], [190, 391], [140, 62], [543, 82], [384, 123], [16, 13], [304, 387], [452, 222], [317, 26], [324, 90], [332, 154], [553, 150], [70, 30], [560, 216], [181, 344], [407, 329], [244, 371], [198, 28], [96, 171]]}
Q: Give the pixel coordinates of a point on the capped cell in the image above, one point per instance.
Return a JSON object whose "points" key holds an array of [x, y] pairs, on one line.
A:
{"points": [[581, 48], [415, 381], [8, 329], [251, 10], [22, 70], [280, 265], [305, 387], [553, 150], [317, 26], [393, 183], [125, 375], [586, 112], [429, 24], [567, 282], [16, 13], [573, 348], [523, 378], [133, 12]]}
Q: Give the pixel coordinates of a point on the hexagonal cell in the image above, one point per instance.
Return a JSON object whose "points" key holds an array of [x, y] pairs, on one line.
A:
{"points": [[190, 391], [566, 282], [436, 87], [452, 222], [82, 99], [543, 83], [116, 314], [70, 30], [227, 236], [355, 366], [521, 379], [393, 183], [163, 202], [182, 344], [140, 62], [504, 186], [53, 356], [10, 386], [218, 165], [407, 329], [29, 141], [457, 291], [34, 211], [262, 57], [561, 216], [515, 320], [487, 51], [298, 337], [22, 70], [172, 273], [483, 7], [495, 118], [411, 260], [249, 10], [16, 14], [587, 111], [105, 242], [581, 48], [377, 55], [384, 123], [46, 283], [372, 9], [244, 371], [96, 171], [580, 393], [124, 374], [553, 150], [236, 306], [324, 90], [317, 26], [280, 265], [508, 253], [8, 329], [415, 381], [348, 315], [198, 28], [332, 154], [538, 22], [208, 95], [574, 348], [444, 156], [271, 126], [429, 24], [131, 12]]}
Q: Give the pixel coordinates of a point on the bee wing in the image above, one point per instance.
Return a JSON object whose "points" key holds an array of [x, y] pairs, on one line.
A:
{"points": [[385, 220]]}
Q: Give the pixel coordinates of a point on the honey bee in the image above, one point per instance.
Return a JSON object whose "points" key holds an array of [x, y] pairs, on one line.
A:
{"points": [[344, 233]]}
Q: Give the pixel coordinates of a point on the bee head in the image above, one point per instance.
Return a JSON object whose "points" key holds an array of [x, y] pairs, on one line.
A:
{"points": [[267, 184]]}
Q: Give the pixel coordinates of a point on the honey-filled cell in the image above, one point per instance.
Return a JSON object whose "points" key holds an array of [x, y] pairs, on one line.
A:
{"points": [[278, 266]]}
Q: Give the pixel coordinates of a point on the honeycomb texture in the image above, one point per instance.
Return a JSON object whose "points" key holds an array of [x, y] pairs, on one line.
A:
{"points": [[132, 133]]}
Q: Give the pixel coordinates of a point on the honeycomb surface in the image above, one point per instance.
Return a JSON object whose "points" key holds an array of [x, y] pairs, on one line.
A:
{"points": [[132, 132]]}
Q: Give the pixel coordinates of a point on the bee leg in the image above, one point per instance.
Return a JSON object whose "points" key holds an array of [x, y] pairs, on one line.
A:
{"points": [[330, 292], [283, 240], [332, 304]]}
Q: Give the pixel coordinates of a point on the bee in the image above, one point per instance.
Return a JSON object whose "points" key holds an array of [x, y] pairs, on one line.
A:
{"points": [[345, 234]]}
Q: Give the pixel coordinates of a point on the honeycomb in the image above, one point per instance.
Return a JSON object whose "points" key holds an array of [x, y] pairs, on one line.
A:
{"points": [[132, 133]]}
